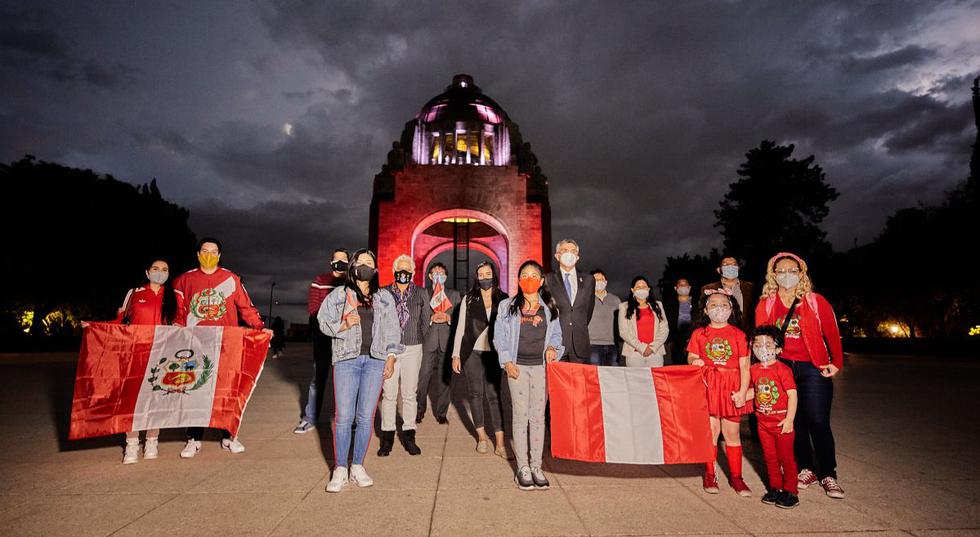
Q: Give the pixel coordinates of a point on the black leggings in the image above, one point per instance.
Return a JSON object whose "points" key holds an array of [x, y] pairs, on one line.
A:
{"points": [[483, 377]]}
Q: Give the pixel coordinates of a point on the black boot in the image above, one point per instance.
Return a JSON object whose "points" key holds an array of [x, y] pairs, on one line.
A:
{"points": [[408, 437], [387, 442]]}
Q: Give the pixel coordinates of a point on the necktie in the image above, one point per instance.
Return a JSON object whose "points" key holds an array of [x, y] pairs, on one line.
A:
{"points": [[568, 286]]}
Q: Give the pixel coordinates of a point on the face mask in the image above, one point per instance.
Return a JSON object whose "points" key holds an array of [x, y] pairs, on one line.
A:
{"points": [[788, 281], [157, 277], [729, 271], [364, 273], [765, 354], [208, 261], [485, 284], [339, 266], [600, 285], [683, 291], [403, 276], [439, 278], [641, 294], [568, 259], [530, 285], [719, 315]]}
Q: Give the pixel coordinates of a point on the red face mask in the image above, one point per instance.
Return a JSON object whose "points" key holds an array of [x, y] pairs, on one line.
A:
{"points": [[530, 285]]}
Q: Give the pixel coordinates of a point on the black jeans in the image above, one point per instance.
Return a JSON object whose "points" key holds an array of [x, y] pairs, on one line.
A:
{"points": [[483, 375], [322, 361], [814, 445], [435, 375]]}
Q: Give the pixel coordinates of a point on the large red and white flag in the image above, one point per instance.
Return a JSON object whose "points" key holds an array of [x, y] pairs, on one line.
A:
{"points": [[138, 377], [629, 414]]}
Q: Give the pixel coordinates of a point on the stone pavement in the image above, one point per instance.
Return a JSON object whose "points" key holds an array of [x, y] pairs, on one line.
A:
{"points": [[906, 432]]}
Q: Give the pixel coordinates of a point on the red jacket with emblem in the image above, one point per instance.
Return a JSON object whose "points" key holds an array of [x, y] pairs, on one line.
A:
{"points": [[818, 326], [145, 307], [217, 299]]}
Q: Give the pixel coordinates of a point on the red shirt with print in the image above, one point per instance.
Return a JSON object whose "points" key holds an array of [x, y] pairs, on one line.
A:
{"points": [[721, 347], [793, 346], [217, 299], [770, 384]]}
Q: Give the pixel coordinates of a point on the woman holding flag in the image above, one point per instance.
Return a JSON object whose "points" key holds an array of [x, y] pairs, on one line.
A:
{"points": [[366, 338]]}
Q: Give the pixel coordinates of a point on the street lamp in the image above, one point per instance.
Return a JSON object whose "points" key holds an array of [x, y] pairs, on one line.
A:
{"points": [[271, 287]]}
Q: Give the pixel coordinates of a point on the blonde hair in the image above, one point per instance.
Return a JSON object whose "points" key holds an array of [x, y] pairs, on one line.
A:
{"points": [[403, 257], [802, 289]]}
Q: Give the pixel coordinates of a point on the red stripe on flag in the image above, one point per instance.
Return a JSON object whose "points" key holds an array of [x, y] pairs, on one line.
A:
{"points": [[243, 352], [576, 412], [684, 421], [110, 370]]}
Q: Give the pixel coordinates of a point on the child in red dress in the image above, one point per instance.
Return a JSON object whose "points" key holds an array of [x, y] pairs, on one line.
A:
{"points": [[775, 407], [718, 345]]}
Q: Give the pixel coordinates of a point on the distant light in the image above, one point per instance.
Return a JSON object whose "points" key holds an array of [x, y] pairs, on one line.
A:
{"points": [[894, 328], [460, 220], [462, 84], [287, 129]]}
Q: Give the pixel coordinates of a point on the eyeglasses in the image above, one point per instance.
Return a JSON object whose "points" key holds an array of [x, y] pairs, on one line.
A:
{"points": [[788, 271]]}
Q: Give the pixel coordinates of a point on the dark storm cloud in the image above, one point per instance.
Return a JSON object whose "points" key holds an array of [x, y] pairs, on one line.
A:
{"points": [[639, 112]]}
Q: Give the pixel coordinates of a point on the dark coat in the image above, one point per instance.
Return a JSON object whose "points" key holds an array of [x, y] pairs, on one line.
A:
{"points": [[574, 318]]}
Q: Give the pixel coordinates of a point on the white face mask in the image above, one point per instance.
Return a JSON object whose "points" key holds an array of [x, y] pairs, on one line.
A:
{"points": [[729, 271], [157, 277], [568, 259], [641, 294], [683, 291], [765, 354], [787, 280], [719, 315], [600, 285]]}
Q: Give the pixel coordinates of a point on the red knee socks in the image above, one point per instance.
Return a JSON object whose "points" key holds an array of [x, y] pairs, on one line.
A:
{"points": [[734, 454]]}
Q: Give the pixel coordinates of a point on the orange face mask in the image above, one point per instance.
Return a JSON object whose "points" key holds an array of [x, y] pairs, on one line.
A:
{"points": [[530, 285], [207, 261]]}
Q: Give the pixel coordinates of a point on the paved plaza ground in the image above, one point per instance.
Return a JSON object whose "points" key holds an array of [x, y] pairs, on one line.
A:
{"points": [[906, 428]]}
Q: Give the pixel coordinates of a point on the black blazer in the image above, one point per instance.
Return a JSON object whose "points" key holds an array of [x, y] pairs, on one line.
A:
{"points": [[575, 317]]}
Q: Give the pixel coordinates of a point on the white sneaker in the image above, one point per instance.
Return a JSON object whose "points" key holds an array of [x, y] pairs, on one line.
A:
{"points": [[191, 449], [132, 453], [150, 450], [359, 476], [338, 479], [233, 445]]}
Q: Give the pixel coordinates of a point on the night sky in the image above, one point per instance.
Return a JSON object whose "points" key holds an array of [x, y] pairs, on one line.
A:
{"points": [[269, 120]]}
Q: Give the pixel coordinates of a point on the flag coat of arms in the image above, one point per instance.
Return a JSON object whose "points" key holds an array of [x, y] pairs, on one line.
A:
{"points": [[138, 377], [629, 414]]}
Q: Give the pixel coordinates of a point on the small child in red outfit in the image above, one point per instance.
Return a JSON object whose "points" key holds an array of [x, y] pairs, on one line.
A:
{"points": [[775, 407], [720, 347]]}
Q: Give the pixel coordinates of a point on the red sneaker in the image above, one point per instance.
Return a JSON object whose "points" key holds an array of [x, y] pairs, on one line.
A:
{"points": [[806, 478], [832, 488], [710, 484], [740, 488]]}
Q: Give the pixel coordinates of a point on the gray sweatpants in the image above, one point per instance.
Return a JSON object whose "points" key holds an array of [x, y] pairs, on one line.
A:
{"points": [[528, 396]]}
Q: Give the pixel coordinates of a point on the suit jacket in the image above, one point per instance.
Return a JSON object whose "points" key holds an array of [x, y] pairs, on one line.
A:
{"points": [[437, 338], [574, 318], [747, 309]]}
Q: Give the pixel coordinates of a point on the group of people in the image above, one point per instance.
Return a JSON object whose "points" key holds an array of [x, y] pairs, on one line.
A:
{"points": [[401, 341]]}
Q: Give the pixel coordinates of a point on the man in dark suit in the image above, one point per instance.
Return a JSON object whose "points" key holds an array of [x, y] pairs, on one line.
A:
{"points": [[743, 291], [574, 292], [434, 374]]}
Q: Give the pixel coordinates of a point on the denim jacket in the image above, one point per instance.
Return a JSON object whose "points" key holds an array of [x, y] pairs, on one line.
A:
{"points": [[507, 331], [386, 332]]}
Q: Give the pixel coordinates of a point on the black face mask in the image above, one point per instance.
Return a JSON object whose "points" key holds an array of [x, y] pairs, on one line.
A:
{"points": [[403, 276], [339, 266], [485, 284], [364, 273]]}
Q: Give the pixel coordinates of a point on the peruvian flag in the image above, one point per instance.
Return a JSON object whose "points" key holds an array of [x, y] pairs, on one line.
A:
{"points": [[138, 377], [629, 414]]}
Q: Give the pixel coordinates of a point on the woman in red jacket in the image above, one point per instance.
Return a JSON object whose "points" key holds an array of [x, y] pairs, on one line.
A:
{"points": [[154, 303], [813, 351]]}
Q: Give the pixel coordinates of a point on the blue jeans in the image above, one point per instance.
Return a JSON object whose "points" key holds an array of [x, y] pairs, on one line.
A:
{"points": [[357, 386], [814, 444], [604, 355]]}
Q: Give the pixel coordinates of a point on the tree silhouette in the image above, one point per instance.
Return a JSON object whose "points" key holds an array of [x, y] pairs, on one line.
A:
{"points": [[777, 203], [75, 241]]}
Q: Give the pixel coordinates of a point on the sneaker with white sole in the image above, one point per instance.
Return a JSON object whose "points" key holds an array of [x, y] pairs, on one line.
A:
{"points": [[359, 476], [832, 488], [338, 479], [523, 479], [540, 481], [132, 453], [303, 427], [151, 449], [806, 478], [232, 445], [191, 449]]}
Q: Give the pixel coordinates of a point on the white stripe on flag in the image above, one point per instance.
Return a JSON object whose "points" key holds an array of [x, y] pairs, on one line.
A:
{"points": [[191, 408], [630, 416]]}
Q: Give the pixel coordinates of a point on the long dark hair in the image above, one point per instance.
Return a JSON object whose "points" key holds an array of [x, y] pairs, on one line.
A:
{"points": [[701, 319], [168, 306], [517, 304], [632, 304], [474, 295], [351, 283]]}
